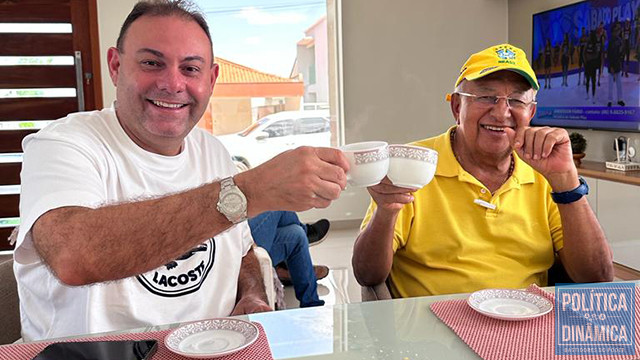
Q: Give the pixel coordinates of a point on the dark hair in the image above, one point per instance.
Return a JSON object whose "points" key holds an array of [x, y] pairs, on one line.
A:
{"points": [[182, 8]]}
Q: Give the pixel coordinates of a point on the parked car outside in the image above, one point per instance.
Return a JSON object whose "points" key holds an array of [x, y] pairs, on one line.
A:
{"points": [[276, 133], [315, 106]]}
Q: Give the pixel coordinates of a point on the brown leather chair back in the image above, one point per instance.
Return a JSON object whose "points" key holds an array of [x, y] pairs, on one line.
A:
{"points": [[9, 304]]}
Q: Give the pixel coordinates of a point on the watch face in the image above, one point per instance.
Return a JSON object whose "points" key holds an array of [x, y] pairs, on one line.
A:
{"points": [[233, 203]]}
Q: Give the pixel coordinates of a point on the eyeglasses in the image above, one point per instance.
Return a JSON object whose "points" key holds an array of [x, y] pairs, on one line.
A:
{"points": [[491, 100]]}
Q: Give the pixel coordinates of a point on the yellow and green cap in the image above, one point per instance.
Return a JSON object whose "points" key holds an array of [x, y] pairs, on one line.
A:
{"points": [[497, 58]]}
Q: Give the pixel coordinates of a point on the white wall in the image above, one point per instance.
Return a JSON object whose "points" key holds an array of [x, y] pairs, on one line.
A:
{"points": [[111, 15], [599, 143], [401, 57]]}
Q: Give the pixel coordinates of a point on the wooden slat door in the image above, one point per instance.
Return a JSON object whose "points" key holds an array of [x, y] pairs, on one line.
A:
{"points": [[23, 114]]}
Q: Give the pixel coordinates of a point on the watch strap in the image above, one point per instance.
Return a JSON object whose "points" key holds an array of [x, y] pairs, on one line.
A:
{"points": [[227, 183], [567, 197]]}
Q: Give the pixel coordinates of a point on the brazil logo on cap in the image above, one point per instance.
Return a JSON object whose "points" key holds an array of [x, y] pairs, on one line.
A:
{"points": [[506, 53]]}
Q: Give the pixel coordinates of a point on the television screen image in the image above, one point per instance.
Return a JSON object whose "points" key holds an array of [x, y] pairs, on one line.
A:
{"points": [[585, 56]]}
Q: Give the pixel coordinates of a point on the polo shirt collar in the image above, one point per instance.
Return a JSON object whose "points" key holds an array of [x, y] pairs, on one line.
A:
{"points": [[448, 165]]}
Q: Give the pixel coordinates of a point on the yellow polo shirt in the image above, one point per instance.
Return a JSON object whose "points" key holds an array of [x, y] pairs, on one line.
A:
{"points": [[445, 243]]}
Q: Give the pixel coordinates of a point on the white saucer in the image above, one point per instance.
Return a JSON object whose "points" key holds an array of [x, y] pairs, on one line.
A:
{"points": [[509, 304], [211, 338]]}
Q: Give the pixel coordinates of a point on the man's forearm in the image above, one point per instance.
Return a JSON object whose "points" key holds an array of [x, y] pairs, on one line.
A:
{"points": [[373, 250], [586, 254], [85, 246]]}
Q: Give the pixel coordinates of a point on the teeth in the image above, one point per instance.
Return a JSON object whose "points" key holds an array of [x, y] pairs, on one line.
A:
{"points": [[166, 105], [494, 128]]}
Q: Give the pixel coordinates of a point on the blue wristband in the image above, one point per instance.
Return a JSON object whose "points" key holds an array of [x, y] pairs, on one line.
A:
{"points": [[567, 197]]}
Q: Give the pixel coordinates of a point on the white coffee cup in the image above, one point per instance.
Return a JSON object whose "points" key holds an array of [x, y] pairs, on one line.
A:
{"points": [[368, 162], [411, 166]]}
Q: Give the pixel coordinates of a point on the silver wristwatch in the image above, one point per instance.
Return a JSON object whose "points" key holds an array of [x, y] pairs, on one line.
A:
{"points": [[231, 201]]}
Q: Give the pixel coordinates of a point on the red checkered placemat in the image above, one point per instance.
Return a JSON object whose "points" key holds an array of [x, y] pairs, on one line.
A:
{"points": [[494, 339], [259, 350]]}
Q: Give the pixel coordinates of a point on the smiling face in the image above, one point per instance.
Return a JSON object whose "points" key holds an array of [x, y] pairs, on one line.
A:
{"points": [[481, 128], [164, 77]]}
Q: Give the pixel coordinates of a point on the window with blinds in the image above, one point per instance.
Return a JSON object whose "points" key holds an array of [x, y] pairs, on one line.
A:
{"points": [[47, 62]]}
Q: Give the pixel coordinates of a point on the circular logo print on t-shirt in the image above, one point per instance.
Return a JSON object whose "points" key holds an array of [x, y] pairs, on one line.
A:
{"points": [[183, 275]]}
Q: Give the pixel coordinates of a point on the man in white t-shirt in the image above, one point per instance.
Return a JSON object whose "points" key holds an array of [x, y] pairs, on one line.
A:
{"points": [[132, 217]]}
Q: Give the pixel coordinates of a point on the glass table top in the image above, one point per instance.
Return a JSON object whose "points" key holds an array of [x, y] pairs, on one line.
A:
{"points": [[404, 329]]}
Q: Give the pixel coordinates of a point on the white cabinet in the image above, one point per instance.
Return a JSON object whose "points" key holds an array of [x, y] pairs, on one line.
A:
{"points": [[592, 198], [617, 206]]}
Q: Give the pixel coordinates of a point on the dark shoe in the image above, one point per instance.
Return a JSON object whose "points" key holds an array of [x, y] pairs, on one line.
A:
{"points": [[621, 103], [283, 275], [609, 104], [320, 271], [317, 232]]}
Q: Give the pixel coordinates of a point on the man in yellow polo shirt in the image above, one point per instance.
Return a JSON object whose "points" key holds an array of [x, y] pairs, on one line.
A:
{"points": [[505, 198]]}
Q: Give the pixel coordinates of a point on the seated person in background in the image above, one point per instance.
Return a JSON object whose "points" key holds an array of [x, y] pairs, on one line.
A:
{"points": [[287, 240], [128, 200], [505, 198]]}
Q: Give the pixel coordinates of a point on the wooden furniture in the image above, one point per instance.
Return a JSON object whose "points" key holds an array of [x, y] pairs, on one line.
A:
{"points": [[597, 170]]}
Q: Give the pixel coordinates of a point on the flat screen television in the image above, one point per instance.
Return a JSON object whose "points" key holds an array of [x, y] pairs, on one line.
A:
{"points": [[582, 44]]}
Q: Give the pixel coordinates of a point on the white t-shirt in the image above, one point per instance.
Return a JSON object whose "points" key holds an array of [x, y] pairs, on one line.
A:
{"points": [[86, 159]]}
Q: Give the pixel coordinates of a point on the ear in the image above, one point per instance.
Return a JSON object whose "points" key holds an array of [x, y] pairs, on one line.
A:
{"points": [[214, 74], [534, 107], [113, 62], [456, 103]]}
